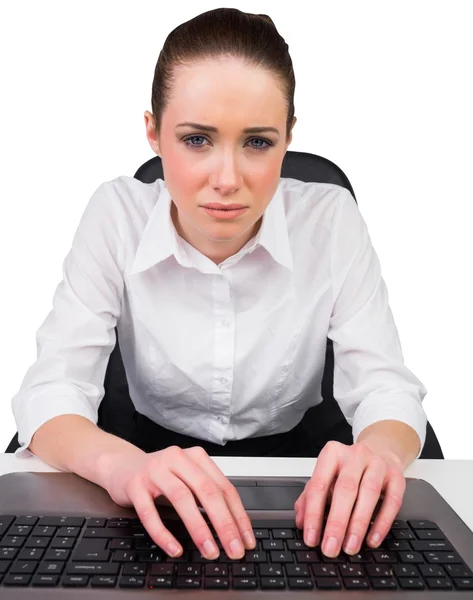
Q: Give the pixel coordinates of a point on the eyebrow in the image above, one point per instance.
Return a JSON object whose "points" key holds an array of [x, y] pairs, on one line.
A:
{"points": [[209, 128]]}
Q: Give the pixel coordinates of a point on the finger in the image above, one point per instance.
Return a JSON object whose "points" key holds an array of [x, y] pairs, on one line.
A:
{"points": [[317, 490], [211, 497], [299, 509], [344, 496], [180, 496], [390, 507], [145, 508], [368, 495], [230, 494]]}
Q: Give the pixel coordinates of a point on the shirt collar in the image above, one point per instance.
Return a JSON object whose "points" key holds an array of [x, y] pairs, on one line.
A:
{"points": [[161, 240]]}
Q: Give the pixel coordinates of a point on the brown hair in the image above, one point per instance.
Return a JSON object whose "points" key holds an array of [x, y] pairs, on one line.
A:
{"points": [[224, 32]]}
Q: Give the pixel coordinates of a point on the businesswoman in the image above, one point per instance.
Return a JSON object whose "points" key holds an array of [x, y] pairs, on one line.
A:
{"points": [[224, 281]]}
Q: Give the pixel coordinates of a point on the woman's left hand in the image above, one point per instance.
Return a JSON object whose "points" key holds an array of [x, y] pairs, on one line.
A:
{"points": [[362, 474]]}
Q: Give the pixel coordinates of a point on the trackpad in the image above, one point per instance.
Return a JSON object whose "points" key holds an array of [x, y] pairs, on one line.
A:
{"points": [[271, 497]]}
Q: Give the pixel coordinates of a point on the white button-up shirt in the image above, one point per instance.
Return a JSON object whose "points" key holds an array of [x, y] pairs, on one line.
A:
{"points": [[229, 351]]}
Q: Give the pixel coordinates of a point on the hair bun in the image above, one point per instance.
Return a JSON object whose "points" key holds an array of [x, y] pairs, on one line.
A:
{"points": [[266, 18]]}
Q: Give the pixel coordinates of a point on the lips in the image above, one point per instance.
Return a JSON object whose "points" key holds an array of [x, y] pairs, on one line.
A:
{"points": [[217, 206]]}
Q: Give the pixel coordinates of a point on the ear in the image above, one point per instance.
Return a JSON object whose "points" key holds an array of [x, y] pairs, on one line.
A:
{"points": [[151, 133]]}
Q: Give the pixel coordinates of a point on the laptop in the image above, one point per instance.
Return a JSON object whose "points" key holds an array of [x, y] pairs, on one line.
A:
{"points": [[62, 537]]}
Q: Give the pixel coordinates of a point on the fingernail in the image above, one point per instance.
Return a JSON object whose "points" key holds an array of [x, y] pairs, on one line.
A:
{"points": [[374, 539], [331, 546], [210, 549], [173, 549], [310, 537], [249, 539], [236, 548], [352, 543]]}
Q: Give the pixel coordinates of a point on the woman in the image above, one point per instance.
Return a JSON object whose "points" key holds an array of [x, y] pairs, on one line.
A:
{"points": [[224, 282]]}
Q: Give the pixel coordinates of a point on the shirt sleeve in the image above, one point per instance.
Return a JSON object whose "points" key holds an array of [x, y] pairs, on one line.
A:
{"points": [[77, 337], [371, 381]]}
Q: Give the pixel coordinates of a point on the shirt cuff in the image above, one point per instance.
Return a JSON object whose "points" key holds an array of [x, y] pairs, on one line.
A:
{"points": [[43, 406], [394, 406]]}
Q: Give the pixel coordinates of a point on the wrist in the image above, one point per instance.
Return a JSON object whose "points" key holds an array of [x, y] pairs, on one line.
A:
{"points": [[109, 460], [379, 446]]}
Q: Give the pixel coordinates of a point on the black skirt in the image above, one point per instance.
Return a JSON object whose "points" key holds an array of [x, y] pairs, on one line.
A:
{"points": [[151, 437]]}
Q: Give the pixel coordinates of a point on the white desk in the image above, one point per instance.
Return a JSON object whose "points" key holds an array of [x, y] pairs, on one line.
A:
{"points": [[453, 479]]}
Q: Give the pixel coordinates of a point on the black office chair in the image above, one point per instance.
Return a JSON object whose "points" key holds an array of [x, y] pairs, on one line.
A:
{"points": [[323, 422]]}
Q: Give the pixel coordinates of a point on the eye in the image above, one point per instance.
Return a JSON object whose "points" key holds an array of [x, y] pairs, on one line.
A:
{"points": [[188, 143]]}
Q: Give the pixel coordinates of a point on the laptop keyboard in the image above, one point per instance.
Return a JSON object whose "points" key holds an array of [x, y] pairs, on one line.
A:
{"points": [[83, 552]]}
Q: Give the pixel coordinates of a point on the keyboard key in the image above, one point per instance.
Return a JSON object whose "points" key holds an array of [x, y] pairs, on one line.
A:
{"points": [[458, 570], [411, 583], [93, 568], [463, 584], [355, 583], [217, 583], [272, 583], [62, 521], [442, 557], [57, 554], [411, 557], [31, 554], [310, 556], [283, 534], [45, 580], [328, 583], [23, 566], [242, 570], [75, 580], [403, 534], [325, 570], [380, 570], [188, 582], [273, 545], [103, 581], [425, 546], [406, 571], [244, 583], [422, 524], [296, 545], [281, 557], [296, 583], [160, 582], [135, 569], [386, 583], [297, 571], [431, 570], [261, 534], [164, 569], [439, 583], [17, 580], [274, 570], [385, 557], [351, 570], [131, 581], [48, 568]]}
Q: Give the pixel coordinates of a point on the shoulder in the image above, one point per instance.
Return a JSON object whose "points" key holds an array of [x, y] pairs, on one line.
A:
{"points": [[314, 203], [129, 191]]}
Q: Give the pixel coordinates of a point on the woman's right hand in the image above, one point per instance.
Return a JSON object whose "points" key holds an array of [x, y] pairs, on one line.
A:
{"points": [[179, 474]]}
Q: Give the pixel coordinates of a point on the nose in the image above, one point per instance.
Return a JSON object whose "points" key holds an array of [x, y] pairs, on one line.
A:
{"points": [[226, 176]]}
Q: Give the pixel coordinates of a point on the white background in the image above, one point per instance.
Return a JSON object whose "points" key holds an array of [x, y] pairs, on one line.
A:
{"points": [[383, 89]]}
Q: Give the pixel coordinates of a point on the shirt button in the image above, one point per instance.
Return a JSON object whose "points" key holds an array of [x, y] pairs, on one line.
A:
{"points": [[225, 323], [223, 380]]}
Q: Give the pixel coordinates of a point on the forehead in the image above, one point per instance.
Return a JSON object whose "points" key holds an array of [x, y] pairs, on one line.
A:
{"points": [[226, 88]]}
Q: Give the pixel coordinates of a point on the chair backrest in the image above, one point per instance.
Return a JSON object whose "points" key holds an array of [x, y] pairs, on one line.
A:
{"points": [[323, 422]]}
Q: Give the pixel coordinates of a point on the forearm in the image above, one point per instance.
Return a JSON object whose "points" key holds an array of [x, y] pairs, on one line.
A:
{"points": [[73, 443], [392, 436]]}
